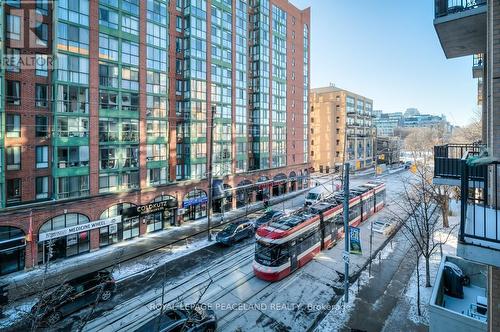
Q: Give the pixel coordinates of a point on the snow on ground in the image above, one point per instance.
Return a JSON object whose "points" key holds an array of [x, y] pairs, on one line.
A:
{"points": [[410, 295], [340, 313], [162, 256], [16, 312]]}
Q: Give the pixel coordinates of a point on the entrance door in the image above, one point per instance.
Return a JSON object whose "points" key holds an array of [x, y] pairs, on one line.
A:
{"points": [[293, 256]]}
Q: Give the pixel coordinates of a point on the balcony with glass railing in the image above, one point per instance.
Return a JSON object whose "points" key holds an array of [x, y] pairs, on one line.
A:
{"points": [[461, 26]]}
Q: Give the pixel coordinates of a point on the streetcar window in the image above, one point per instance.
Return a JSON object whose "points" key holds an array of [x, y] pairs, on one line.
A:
{"points": [[312, 196], [271, 255]]}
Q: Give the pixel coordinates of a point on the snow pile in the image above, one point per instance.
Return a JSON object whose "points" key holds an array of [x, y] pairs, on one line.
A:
{"points": [[15, 313]]}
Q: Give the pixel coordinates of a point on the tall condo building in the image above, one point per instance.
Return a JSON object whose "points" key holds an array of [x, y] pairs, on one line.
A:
{"points": [[106, 108]]}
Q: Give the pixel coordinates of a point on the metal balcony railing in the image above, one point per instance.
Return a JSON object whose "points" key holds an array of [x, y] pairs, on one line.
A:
{"points": [[448, 161], [447, 7], [480, 208]]}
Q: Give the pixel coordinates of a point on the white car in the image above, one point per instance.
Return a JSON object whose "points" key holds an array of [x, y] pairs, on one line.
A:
{"points": [[383, 227]]}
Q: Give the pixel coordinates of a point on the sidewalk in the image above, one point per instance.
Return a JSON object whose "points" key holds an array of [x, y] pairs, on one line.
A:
{"points": [[25, 283], [373, 298]]}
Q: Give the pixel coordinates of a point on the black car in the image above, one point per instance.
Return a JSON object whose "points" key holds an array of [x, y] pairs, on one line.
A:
{"points": [[267, 218], [73, 296], [235, 231], [192, 318]]}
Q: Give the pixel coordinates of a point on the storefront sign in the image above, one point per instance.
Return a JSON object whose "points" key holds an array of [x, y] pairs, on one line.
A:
{"points": [[194, 201], [144, 210], [78, 228]]}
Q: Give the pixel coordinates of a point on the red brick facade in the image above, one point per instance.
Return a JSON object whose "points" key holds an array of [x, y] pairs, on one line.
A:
{"points": [[94, 205]]}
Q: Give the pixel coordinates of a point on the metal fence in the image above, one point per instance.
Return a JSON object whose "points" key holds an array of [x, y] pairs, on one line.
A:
{"points": [[447, 7]]}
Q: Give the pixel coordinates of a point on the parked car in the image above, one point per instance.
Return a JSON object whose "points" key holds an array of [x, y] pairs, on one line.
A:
{"points": [[267, 218], [408, 164], [235, 231], [383, 227], [73, 296], [192, 318]]}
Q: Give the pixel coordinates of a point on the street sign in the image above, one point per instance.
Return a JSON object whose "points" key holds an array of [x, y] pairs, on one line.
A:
{"points": [[345, 257]]}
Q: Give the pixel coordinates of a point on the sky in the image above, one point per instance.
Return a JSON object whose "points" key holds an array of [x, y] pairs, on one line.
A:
{"points": [[388, 50]]}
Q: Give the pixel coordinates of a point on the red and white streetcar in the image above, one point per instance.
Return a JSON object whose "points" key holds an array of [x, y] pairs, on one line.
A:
{"points": [[292, 241]]}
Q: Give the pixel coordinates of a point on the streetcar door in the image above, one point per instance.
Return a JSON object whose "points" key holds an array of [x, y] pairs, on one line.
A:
{"points": [[293, 255]]}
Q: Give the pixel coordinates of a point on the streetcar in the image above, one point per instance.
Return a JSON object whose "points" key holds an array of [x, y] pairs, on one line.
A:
{"points": [[290, 242]]}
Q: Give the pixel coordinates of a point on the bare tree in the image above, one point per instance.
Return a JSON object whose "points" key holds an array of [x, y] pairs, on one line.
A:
{"points": [[418, 214], [470, 133]]}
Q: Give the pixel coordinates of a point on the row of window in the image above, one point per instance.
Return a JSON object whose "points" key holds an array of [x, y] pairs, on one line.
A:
{"points": [[78, 186], [110, 130]]}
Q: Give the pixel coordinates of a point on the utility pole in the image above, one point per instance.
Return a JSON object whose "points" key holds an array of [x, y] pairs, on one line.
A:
{"points": [[210, 177], [346, 232], [371, 244]]}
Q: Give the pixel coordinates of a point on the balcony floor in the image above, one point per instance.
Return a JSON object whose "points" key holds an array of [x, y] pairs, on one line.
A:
{"points": [[462, 305]]}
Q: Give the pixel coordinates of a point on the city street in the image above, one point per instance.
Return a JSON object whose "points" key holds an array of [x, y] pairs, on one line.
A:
{"points": [[241, 301]]}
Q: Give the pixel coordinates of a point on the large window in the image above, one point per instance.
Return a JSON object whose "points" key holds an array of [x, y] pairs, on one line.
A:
{"points": [[109, 158], [130, 130], [156, 152], [13, 27], [72, 38], [13, 190], [130, 53], [72, 68], [42, 7], [72, 186], [41, 95], [41, 65], [13, 250], [13, 125], [42, 156], [72, 99], [156, 128], [41, 126], [108, 17], [72, 156], [74, 11], [156, 82], [157, 176], [42, 33], [13, 60], [42, 187], [130, 101], [13, 96], [130, 78], [72, 126], [130, 25], [108, 130], [108, 47], [13, 158], [108, 74]]}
